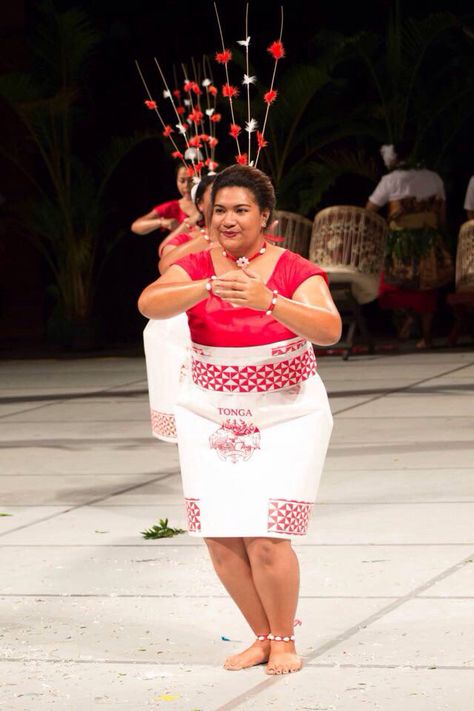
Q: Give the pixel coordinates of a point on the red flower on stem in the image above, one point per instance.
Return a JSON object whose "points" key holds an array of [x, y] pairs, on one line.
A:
{"points": [[213, 142], [224, 57], [188, 85], [195, 142], [167, 131], [150, 104], [262, 143], [204, 137], [176, 154], [234, 130], [229, 91], [270, 96], [212, 90], [196, 116], [195, 88], [277, 50], [215, 118], [180, 110], [242, 159], [176, 93]]}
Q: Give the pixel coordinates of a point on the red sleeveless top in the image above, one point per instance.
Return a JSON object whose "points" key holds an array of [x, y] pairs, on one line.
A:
{"points": [[214, 322], [170, 210]]}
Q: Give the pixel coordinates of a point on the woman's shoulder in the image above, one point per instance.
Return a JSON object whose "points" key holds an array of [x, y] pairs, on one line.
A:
{"points": [[168, 207], [296, 269], [198, 265]]}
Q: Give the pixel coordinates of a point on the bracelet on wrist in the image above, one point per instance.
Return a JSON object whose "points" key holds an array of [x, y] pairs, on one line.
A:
{"points": [[209, 284], [272, 302]]}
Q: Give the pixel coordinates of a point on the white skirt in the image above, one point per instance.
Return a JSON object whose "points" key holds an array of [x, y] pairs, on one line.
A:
{"points": [[166, 344], [253, 430]]}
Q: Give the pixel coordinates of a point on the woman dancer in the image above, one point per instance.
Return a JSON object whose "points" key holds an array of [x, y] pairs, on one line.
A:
{"points": [[253, 419], [170, 215], [167, 342]]}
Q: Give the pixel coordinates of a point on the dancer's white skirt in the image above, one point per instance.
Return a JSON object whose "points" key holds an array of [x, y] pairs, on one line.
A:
{"points": [[253, 430], [166, 344]]}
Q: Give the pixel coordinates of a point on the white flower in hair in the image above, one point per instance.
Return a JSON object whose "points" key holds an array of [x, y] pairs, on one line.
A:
{"points": [[388, 154], [209, 112], [245, 42], [251, 126], [248, 80], [206, 82], [182, 129], [166, 94]]}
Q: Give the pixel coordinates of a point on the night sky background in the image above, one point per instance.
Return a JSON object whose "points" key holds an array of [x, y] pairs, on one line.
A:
{"points": [[174, 32]]}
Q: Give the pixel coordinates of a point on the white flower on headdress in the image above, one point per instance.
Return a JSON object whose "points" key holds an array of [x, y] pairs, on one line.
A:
{"points": [[187, 102], [251, 126], [181, 128], [248, 80], [388, 154], [209, 112], [192, 154], [167, 94], [206, 82], [251, 163], [245, 42]]}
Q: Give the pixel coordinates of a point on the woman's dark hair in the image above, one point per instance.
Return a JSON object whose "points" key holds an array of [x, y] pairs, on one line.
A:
{"points": [[203, 185], [253, 179]]}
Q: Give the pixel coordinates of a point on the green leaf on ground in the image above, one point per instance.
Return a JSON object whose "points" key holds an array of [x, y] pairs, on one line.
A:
{"points": [[4, 514], [162, 530]]}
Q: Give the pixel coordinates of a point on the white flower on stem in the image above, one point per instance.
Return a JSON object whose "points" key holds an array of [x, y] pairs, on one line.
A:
{"points": [[166, 94], [181, 128], [248, 80], [245, 42], [251, 126], [209, 112], [206, 82], [187, 102], [192, 154]]}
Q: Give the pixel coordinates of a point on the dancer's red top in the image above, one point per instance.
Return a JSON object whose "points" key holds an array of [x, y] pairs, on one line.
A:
{"points": [[214, 322]]}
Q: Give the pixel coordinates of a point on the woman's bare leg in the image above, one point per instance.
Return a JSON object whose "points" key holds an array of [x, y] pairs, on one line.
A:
{"points": [[232, 565], [426, 323], [275, 572]]}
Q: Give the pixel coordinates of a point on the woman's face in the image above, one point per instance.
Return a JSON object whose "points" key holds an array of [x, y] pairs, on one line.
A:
{"points": [[237, 220], [183, 182]]}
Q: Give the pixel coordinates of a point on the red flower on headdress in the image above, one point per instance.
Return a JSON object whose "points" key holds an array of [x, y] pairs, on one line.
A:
{"points": [[180, 110], [270, 96], [261, 140], [176, 93], [198, 166], [216, 117], [224, 57], [212, 90], [211, 164], [188, 85], [176, 154], [150, 104], [190, 170], [196, 116], [242, 159], [229, 91], [195, 142], [213, 141], [234, 130], [167, 131], [195, 88], [204, 137], [277, 50]]}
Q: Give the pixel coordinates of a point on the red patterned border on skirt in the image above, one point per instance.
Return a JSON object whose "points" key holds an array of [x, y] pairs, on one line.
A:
{"points": [[254, 378], [291, 517], [193, 514], [163, 424]]}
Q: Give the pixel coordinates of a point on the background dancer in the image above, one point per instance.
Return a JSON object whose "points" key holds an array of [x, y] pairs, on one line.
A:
{"points": [[253, 420]]}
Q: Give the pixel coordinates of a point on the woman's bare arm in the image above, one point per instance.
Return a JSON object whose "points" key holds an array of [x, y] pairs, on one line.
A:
{"points": [[150, 222], [171, 294]]}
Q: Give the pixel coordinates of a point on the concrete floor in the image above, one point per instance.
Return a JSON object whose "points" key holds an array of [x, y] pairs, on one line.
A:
{"points": [[94, 616]]}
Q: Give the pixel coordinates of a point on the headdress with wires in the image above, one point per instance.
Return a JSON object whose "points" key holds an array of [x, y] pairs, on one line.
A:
{"points": [[193, 137], [231, 92]]}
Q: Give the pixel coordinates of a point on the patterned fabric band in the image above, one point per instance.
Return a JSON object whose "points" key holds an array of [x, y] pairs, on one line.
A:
{"points": [[250, 370]]}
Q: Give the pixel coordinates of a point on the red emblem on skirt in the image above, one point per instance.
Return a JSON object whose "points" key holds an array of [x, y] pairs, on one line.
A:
{"points": [[235, 440]]}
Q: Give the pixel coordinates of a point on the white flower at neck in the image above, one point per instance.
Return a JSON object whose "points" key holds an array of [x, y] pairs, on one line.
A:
{"points": [[242, 262]]}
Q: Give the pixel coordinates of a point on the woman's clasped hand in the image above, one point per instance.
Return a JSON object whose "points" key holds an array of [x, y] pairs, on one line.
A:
{"points": [[242, 288]]}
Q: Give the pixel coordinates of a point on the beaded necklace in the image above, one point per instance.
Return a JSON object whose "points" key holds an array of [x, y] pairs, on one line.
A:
{"points": [[243, 262]]}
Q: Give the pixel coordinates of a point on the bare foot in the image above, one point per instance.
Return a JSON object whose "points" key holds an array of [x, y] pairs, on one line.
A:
{"points": [[257, 653], [283, 659], [423, 344]]}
